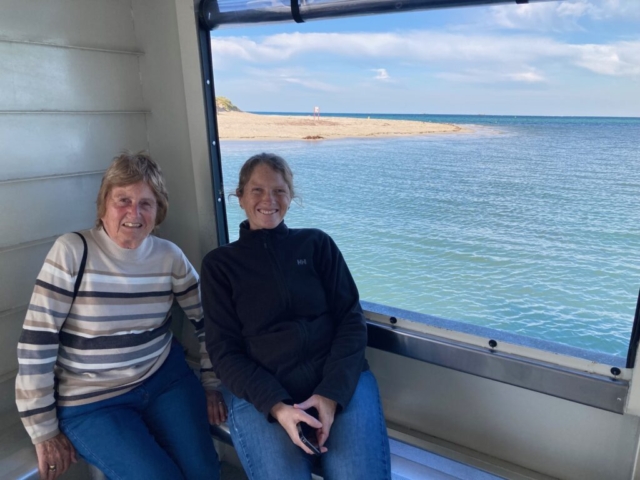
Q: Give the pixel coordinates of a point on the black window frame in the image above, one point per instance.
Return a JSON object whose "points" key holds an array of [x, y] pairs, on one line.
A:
{"points": [[608, 392]]}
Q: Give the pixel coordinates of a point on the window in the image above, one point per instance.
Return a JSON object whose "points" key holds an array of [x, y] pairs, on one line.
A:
{"points": [[525, 221]]}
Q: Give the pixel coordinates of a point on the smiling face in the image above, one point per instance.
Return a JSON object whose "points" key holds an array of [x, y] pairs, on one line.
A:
{"points": [[266, 198], [130, 214]]}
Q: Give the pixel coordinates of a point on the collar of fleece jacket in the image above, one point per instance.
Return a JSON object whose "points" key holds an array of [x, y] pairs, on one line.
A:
{"points": [[246, 233]]}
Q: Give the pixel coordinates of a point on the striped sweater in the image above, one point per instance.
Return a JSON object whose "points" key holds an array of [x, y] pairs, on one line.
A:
{"points": [[114, 336]]}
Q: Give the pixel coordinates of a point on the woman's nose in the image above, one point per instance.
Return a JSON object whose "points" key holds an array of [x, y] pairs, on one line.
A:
{"points": [[134, 208]]}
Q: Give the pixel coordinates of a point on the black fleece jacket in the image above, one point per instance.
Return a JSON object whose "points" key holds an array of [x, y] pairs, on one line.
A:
{"points": [[283, 318]]}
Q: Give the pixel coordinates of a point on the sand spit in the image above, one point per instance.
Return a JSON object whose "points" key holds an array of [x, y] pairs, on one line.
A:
{"points": [[249, 126]]}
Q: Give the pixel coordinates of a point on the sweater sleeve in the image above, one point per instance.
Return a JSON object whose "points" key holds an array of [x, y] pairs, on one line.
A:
{"points": [[186, 288], [38, 344], [244, 377], [346, 360]]}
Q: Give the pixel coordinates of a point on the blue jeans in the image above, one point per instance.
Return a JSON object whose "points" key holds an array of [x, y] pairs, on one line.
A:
{"points": [[159, 430], [358, 444]]}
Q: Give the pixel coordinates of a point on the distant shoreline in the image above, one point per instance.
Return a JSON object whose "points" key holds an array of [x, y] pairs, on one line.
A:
{"points": [[251, 126]]}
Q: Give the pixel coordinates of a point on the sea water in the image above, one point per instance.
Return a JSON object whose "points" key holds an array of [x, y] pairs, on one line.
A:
{"points": [[525, 224]]}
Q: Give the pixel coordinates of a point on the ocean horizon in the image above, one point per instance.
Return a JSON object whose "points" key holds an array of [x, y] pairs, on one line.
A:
{"points": [[435, 115], [527, 224]]}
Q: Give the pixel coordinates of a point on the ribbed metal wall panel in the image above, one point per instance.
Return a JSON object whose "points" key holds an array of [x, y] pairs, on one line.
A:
{"points": [[47, 207], [36, 78], [20, 266], [105, 24], [62, 144], [70, 99]]}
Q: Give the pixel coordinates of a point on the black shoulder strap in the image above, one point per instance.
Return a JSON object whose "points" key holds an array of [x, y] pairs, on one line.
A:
{"points": [[83, 263]]}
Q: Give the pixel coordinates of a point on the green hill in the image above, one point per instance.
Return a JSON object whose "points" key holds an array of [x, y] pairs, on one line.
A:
{"points": [[223, 104]]}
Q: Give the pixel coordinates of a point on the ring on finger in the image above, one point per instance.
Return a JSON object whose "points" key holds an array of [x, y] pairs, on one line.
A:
{"points": [[52, 468]]}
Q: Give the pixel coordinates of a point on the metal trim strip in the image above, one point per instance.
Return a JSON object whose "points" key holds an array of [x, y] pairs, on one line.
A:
{"points": [[212, 15], [580, 387], [377, 312]]}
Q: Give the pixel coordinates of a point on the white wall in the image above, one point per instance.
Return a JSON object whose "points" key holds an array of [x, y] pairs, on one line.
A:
{"points": [[81, 81], [70, 99]]}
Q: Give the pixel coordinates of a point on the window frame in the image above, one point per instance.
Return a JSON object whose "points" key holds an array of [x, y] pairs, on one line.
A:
{"points": [[583, 376]]}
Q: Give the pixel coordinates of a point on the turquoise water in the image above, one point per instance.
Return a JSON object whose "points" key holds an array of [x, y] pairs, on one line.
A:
{"points": [[527, 224]]}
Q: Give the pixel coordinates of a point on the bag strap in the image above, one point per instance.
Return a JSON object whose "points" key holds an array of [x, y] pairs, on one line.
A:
{"points": [[83, 263]]}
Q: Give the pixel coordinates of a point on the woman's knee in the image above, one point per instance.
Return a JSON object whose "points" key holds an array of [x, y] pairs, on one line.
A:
{"points": [[358, 443], [264, 448]]}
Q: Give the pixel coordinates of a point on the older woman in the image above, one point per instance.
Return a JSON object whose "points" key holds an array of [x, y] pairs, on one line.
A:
{"points": [[99, 371], [287, 336]]}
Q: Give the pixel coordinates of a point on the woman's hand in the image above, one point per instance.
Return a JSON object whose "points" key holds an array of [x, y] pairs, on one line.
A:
{"points": [[289, 417], [326, 413], [55, 456], [216, 409]]}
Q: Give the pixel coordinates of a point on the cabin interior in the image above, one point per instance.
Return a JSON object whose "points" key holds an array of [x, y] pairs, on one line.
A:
{"points": [[81, 80]]}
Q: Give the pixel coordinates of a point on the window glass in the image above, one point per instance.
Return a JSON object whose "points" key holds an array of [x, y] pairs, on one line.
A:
{"points": [[526, 220]]}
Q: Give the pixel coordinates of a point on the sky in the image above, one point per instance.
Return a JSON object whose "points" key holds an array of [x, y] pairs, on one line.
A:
{"points": [[572, 57]]}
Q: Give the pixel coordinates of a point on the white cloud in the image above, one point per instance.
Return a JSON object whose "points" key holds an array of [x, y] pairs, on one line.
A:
{"points": [[446, 52], [561, 16], [382, 74], [492, 77], [527, 77], [573, 9], [620, 59], [612, 9], [540, 16], [298, 76], [414, 46], [312, 84]]}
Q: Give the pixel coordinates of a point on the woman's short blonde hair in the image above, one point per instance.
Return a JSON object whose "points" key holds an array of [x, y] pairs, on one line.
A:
{"points": [[127, 169]]}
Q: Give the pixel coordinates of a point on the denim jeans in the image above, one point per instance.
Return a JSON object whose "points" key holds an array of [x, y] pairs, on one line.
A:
{"points": [[358, 446], [159, 430]]}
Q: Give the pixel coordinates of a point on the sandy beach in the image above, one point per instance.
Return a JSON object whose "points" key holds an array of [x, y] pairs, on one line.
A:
{"points": [[248, 126]]}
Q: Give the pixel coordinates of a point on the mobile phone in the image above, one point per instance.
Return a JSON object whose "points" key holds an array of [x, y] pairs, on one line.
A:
{"points": [[307, 433]]}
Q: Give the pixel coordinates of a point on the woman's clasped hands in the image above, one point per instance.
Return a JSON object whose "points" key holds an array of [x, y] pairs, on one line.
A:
{"points": [[289, 416]]}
